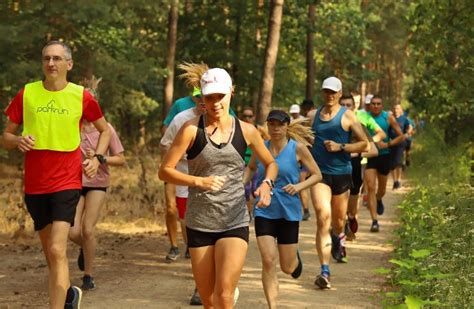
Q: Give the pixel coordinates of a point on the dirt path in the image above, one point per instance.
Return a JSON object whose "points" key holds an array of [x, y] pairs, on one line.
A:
{"points": [[131, 272]]}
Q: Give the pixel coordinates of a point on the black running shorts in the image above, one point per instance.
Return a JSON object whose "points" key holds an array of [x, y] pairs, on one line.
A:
{"points": [[380, 163], [49, 207], [85, 190], [338, 183], [396, 156], [198, 239], [285, 232], [356, 175]]}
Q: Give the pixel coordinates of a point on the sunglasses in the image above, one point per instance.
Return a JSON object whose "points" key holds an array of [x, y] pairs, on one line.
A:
{"points": [[247, 116], [376, 104]]}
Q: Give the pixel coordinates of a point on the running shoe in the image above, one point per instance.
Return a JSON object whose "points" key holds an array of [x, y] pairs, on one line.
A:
{"points": [[76, 301], [306, 215], [375, 227], [88, 283], [172, 255], [338, 249], [187, 255], [322, 281], [365, 200], [353, 224], [396, 185], [236, 295], [299, 268], [195, 299], [80, 260], [347, 230], [380, 207]]}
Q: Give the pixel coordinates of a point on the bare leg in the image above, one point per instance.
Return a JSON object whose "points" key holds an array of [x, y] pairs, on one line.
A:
{"points": [[268, 252], [321, 197], [229, 258], [370, 178], [75, 232], [93, 204], [203, 266], [171, 213], [339, 211], [54, 240]]}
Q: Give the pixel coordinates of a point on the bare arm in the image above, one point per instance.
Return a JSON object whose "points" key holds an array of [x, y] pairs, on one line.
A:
{"points": [[379, 135], [11, 140], [250, 169], [400, 137], [304, 156], [255, 142], [91, 165], [350, 122]]}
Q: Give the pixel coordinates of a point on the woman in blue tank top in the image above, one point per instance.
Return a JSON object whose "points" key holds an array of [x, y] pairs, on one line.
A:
{"points": [[280, 221]]}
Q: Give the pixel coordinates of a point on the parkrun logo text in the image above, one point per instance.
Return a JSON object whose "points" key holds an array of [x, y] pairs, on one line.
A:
{"points": [[49, 108]]}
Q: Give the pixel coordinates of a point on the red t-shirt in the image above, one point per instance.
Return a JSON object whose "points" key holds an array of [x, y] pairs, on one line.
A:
{"points": [[48, 171]]}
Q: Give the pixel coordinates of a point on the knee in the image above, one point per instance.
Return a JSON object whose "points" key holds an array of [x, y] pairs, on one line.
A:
{"points": [[56, 252], [87, 232], [268, 262], [171, 211], [74, 234], [286, 268], [224, 296], [323, 221]]}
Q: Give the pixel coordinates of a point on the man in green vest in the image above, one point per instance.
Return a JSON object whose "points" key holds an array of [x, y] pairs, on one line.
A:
{"points": [[51, 112]]}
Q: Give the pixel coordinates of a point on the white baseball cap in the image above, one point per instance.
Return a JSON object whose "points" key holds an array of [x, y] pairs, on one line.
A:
{"points": [[216, 80], [295, 108], [368, 98], [332, 83]]}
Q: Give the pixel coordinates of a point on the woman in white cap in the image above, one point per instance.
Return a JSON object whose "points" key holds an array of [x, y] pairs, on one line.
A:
{"points": [[217, 220]]}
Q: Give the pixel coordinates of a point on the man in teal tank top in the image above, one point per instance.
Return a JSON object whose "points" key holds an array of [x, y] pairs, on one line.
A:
{"points": [[378, 167], [333, 126]]}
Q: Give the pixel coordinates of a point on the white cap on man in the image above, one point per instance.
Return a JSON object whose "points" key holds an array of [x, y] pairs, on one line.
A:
{"points": [[332, 83], [368, 98], [216, 80], [295, 109]]}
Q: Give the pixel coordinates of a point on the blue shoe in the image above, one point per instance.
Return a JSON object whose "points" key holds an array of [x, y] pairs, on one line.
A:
{"points": [[195, 299], [380, 207], [76, 302]]}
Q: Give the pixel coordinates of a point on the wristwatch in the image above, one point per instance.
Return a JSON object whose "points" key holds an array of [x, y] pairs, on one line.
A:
{"points": [[269, 182], [343, 147], [102, 159]]}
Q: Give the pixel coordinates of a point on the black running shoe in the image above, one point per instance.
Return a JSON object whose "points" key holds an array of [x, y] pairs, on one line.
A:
{"points": [[338, 249], [88, 283], [375, 227], [76, 302], [80, 260], [187, 255], [172, 255], [195, 299], [306, 215], [380, 207], [322, 281], [299, 268]]}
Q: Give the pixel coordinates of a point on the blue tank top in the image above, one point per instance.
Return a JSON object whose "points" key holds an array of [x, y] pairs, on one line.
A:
{"points": [[283, 205], [382, 121], [331, 163]]}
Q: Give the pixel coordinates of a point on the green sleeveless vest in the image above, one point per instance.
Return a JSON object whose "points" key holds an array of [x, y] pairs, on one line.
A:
{"points": [[52, 117]]}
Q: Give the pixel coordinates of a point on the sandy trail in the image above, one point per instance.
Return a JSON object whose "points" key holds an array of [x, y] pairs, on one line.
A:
{"points": [[131, 272]]}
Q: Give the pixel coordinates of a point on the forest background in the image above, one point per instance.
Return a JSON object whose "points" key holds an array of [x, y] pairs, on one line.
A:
{"points": [[417, 53]]}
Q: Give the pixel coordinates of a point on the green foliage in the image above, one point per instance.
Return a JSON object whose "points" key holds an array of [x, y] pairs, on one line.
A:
{"points": [[442, 64], [433, 261]]}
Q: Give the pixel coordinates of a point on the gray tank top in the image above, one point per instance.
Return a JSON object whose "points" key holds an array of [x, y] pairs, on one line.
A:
{"points": [[223, 210]]}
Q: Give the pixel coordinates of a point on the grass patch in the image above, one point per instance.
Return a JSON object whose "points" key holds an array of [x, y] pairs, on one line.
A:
{"points": [[432, 266]]}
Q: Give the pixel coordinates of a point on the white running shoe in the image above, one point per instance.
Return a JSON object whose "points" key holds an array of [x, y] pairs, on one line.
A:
{"points": [[236, 295]]}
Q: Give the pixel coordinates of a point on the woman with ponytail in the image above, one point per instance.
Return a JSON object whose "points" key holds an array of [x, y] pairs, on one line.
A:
{"points": [[277, 226]]}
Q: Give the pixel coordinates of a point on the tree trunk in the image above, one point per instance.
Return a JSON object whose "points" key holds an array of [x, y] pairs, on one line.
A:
{"points": [[271, 52], [309, 53], [172, 32], [258, 47]]}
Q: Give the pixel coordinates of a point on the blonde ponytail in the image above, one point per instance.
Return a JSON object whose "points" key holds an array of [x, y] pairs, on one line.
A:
{"points": [[192, 73], [300, 131]]}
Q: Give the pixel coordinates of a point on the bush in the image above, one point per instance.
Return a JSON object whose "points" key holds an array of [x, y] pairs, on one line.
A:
{"points": [[433, 261]]}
